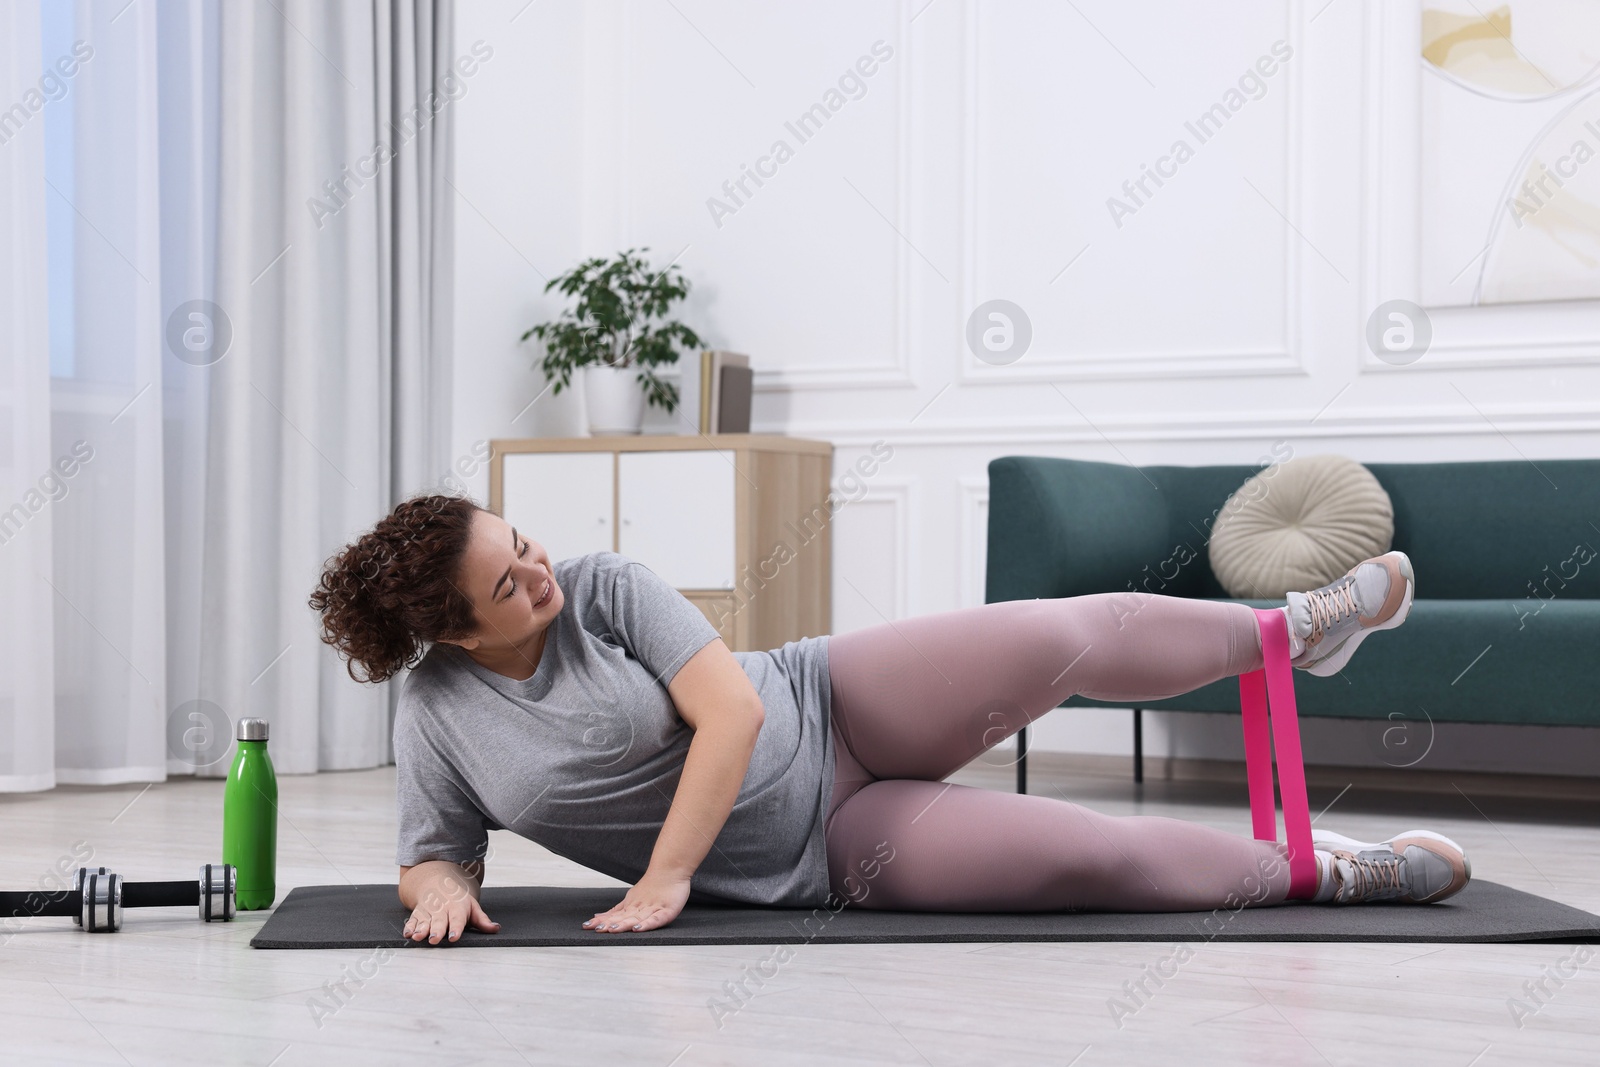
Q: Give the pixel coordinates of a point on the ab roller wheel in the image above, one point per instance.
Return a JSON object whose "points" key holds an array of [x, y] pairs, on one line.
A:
{"points": [[98, 896]]}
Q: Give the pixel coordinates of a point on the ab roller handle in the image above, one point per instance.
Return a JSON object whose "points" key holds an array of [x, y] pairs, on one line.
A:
{"points": [[98, 896]]}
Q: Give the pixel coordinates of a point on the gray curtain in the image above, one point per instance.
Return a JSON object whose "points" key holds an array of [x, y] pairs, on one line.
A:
{"points": [[333, 267]]}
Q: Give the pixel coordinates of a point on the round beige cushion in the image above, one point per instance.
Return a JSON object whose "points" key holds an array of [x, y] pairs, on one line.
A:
{"points": [[1298, 525]]}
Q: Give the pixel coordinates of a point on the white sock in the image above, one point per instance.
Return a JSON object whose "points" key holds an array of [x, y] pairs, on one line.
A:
{"points": [[1325, 881]]}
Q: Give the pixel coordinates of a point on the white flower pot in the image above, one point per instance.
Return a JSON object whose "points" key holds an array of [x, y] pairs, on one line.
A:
{"points": [[614, 400]]}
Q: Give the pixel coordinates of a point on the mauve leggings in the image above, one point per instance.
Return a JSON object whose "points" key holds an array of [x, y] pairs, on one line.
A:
{"points": [[915, 699]]}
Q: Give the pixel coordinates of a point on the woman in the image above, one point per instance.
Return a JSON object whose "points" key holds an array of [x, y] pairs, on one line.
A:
{"points": [[588, 706]]}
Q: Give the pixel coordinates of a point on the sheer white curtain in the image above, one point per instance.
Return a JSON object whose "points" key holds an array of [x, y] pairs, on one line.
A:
{"points": [[27, 668], [85, 688], [207, 385], [103, 207]]}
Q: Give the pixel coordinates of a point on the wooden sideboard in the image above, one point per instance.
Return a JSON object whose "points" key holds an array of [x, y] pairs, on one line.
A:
{"points": [[739, 523]]}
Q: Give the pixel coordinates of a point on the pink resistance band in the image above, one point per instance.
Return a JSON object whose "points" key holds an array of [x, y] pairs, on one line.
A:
{"points": [[1277, 677]]}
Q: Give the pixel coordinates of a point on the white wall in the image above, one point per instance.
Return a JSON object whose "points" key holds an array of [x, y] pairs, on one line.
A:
{"points": [[1223, 315]]}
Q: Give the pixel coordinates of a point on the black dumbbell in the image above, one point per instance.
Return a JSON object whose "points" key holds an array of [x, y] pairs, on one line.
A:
{"points": [[98, 896]]}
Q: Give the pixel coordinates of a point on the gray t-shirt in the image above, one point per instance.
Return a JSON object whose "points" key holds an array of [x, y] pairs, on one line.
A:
{"points": [[584, 757]]}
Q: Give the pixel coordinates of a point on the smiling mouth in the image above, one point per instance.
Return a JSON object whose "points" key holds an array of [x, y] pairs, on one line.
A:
{"points": [[544, 597]]}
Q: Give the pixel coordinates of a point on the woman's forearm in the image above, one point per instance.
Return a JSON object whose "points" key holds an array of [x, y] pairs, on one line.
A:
{"points": [[713, 771]]}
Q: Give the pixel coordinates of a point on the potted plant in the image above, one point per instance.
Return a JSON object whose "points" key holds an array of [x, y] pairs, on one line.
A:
{"points": [[617, 333]]}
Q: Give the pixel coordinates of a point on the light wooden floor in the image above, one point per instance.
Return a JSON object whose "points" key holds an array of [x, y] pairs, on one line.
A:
{"points": [[170, 990]]}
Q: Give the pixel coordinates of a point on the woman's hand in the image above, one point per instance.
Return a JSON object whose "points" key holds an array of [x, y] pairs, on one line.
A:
{"points": [[655, 901], [445, 907]]}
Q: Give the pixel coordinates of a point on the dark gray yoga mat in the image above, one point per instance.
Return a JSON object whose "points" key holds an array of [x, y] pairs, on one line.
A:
{"points": [[370, 916]]}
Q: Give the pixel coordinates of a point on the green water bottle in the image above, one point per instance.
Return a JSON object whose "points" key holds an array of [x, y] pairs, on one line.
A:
{"points": [[250, 817]]}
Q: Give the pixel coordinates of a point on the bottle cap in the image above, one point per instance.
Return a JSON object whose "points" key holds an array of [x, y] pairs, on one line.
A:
{"points": [[251, 730]]}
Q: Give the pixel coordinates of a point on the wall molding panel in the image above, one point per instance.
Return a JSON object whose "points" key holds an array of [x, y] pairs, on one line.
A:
{"points": [[1369, 423], [972, 546], [864, 373], [896, 558], [1285, 358]]}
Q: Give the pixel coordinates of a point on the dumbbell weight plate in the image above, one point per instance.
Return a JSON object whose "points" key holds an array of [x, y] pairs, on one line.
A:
{"points": [[102, 902], [218, 882], [77, 885]]}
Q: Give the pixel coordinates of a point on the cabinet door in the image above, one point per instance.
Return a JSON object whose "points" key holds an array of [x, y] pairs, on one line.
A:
{"points": [[676, 510], [562, 500]]}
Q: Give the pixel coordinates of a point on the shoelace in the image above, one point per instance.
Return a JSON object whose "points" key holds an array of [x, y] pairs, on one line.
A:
{"points": [[1328, 606], [1371, 873]]}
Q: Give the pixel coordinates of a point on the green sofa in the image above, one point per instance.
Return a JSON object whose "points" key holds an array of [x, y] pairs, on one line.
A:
{"points": [[1505, 627]]}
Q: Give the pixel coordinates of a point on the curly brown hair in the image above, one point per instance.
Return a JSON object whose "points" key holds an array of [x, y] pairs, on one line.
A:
{"points": [[394, 590]]}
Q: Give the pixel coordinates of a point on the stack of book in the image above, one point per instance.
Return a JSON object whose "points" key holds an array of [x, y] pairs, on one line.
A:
{"points": [[714, 392]]}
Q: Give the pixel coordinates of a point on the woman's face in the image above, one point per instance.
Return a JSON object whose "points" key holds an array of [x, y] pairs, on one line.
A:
{"points": [[507, 576]]}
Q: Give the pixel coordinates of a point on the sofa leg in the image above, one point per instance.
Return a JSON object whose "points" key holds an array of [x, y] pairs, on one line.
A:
{"points": [[1138, 745], [1022, 760]]}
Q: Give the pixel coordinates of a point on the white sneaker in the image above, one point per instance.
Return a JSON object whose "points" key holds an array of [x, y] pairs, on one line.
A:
{"points": [[1327, 624], [1416, 867]]}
